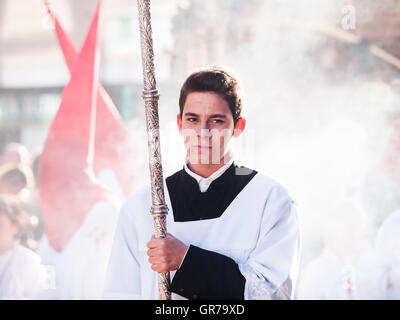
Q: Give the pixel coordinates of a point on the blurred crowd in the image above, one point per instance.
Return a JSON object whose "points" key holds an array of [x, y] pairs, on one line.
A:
{"points": [[30, 267], [21, 225], [19, 180], [354, 265]]}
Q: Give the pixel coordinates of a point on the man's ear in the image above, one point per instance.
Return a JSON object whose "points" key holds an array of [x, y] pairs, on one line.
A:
{"points": [[239, 127], [179, 122]]}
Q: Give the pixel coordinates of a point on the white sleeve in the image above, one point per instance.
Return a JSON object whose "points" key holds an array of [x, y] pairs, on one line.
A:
{"points": [[123, 273], [271, 269]]}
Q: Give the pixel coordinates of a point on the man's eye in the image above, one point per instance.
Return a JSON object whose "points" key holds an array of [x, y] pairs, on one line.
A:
{"points": [[218, 121], [191, 119]]}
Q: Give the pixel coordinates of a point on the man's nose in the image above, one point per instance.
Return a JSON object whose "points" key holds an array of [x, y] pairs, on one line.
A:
{"points": [[204, 129], [205, 125]]}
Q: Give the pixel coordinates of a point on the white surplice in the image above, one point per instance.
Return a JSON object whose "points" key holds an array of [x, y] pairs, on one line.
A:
{"points": [[259, 230]]}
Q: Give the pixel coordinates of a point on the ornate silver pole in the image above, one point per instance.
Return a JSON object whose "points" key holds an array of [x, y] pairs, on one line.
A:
{"points": [[150, 96]]}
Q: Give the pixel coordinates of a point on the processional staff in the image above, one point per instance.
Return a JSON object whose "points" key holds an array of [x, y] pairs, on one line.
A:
{"points": [[150, 96]]}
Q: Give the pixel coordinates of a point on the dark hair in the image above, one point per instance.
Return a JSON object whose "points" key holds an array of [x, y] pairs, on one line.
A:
{"points": [[11, 207], [214, 79], [17, 175]]}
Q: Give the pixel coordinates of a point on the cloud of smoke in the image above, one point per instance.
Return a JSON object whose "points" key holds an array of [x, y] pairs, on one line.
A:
{"points": [[318, 120]]}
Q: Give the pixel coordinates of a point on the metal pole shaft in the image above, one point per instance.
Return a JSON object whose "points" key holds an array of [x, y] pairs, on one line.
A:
{"points": [[150, 96]]}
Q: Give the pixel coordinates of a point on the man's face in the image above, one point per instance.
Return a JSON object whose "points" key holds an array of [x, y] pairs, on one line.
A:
{"points": [[207, 127]]}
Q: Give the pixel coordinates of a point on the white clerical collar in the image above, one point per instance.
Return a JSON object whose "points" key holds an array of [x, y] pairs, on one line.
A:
{"points": [[203, 182]]}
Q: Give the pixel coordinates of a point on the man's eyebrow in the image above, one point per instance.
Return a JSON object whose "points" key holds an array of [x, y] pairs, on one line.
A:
{"points": [[218, 116], [191, 114]]}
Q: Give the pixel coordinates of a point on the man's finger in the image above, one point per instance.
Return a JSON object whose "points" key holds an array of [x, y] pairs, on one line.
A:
{"points": [[156, 252], [162, 267], [155, 260], [155, 243]]}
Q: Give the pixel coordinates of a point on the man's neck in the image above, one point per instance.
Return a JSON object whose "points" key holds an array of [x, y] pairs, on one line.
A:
{"points": [[206, 170]]}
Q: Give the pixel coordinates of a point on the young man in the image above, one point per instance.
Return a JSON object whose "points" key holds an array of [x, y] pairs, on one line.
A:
{"points": [[233, 232]]}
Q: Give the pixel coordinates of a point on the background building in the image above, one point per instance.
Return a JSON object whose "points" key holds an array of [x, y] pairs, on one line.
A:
{"points": [[32, 68]]}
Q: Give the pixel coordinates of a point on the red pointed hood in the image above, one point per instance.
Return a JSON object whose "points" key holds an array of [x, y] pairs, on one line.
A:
{"points": [[68, 188], [113, 147]]}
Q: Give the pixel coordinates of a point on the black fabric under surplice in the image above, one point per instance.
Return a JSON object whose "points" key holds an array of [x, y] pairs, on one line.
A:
{"points": [[190, 204], [205, 274]]}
